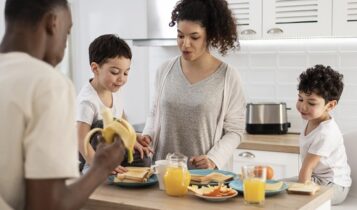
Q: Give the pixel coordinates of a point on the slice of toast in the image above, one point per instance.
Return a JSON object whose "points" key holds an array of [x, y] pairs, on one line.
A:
{"points": [[304, 189], [212, 177], [135, 174], [273, 186]]}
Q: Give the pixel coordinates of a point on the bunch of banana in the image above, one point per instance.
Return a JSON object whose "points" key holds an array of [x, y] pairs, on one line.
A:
{"points": [[113, 126]]}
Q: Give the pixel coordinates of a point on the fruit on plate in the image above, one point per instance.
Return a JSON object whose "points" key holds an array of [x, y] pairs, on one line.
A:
{"points": [[270, 171], [111, 127], [213, 191]]}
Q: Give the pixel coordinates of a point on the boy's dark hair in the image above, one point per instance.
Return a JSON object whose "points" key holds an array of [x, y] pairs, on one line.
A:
{"points": [[323, 81], [30, 11], [108, 46], [214, 16]]}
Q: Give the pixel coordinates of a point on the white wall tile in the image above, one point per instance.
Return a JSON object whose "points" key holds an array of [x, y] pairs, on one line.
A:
{"points": [[263, 60], [330, 58], [292, 59], [349, 59]]}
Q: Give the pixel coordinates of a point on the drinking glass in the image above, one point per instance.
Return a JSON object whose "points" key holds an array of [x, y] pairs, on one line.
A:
{"points": [[254, 178]]}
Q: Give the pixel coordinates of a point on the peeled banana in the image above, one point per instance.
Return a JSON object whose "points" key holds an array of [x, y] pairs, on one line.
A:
{"points": [[111, 127]]}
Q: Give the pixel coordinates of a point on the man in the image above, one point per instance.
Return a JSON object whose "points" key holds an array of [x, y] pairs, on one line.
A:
{"points": [[38, 147]]}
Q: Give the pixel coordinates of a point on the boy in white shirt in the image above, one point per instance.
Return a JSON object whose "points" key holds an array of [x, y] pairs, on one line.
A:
{"points": [[110, 59], [321, 141]]}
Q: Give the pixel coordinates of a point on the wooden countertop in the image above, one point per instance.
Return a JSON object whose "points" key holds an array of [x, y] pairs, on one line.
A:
{"points": [[108, 197], [288, 143]]}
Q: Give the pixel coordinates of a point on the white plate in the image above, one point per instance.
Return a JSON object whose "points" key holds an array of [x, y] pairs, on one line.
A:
{"points": [[214, 199]]}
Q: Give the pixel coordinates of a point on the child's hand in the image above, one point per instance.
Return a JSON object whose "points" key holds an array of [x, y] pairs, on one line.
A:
{"points": [[119, 170], [143, 150], [145, 140]]}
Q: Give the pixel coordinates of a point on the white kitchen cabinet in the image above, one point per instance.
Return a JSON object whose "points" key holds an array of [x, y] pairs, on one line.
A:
{"points": [[285, 165], [297, 18], [344, 18], [248, 15]]}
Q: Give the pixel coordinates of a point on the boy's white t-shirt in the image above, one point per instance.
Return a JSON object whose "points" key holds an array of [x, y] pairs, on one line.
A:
{"points": [[327, 141], [37, 126], [89, 105]]}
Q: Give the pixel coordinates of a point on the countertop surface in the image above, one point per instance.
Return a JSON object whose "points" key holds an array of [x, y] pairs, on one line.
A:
{"points": [[110, 197], [288, 143]]}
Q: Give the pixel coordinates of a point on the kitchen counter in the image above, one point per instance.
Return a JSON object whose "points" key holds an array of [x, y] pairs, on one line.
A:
{"points": [[288, 143], [108, 197]]}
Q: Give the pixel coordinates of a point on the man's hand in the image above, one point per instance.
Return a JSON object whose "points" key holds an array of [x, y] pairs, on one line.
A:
{"points": [[109, 156], [202, 162]]}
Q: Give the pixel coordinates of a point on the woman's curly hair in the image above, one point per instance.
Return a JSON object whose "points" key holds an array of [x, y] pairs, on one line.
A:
{"points": [[323, 81], [214, 16]]}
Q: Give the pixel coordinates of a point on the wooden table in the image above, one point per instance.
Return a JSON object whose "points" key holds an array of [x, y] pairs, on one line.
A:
{"points": [[108, 197]]}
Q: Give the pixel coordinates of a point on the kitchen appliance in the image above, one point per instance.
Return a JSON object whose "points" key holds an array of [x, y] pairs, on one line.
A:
{"points": [[267, 118]]}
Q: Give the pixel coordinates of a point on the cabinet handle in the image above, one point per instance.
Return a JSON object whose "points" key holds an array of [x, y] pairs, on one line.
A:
{"points": [[248, 32], [275, 31], [248, 155]]}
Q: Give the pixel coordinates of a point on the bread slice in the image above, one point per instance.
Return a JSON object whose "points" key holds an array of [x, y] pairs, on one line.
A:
{"points": [[135, 174], [273, 186], [212, 177], [305, 189]]}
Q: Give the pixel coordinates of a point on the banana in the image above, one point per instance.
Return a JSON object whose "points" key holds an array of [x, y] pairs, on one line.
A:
{"points": [[112, 127]]}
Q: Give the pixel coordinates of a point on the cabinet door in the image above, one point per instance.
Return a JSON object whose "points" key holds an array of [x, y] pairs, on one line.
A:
{"points": [[297, 18], [248, 15], [344, 18], [285, 165]]}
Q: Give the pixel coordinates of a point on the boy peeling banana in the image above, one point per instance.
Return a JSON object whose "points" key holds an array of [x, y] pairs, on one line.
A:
{"points": [[112, 127]]}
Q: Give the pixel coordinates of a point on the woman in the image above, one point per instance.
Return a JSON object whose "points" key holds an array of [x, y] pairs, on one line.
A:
{"points": [[199, 106]]}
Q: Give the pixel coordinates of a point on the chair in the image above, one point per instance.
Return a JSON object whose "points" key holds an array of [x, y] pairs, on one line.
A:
{"points": [[350, 203]]}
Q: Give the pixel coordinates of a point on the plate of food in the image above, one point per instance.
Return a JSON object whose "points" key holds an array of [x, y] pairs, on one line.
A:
{"points": [[134, 177], [213, 193], [272, 187], [203, 177]]}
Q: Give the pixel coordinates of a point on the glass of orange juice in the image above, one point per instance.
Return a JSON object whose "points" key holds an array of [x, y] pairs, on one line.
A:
{"points": [[177, 177], [254, 184]]}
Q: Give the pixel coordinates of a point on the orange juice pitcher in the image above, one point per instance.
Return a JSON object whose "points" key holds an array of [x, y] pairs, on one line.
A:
{"points": [[177, 177]]}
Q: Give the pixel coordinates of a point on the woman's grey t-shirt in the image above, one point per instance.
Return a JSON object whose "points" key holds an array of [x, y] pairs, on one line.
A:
{"points": [[189, 113]]}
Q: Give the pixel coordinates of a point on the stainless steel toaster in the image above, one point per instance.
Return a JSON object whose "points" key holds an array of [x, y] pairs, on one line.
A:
{"points": [[267, 118]]}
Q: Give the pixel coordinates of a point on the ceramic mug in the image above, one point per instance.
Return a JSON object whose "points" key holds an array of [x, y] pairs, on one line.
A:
{"points": [[160, 170]]}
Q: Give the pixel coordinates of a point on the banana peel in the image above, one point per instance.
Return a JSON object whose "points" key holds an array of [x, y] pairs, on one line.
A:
{"points": [[111, 127]]}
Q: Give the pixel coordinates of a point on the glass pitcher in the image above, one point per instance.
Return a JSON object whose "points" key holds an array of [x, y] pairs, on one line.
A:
{"points": [[177, 177]]}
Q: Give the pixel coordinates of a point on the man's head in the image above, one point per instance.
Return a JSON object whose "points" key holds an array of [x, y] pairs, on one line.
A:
{"points": [[110, 60], [49, 19]]}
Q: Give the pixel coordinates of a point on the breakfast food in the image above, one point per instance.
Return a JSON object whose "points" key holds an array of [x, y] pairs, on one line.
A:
{"points": [[213, 191], [135, 175], [111, 127], [212, 177], [273, 186], [309, 188], [270, 171]]}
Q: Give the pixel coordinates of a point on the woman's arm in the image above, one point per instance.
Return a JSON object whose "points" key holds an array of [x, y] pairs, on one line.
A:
{"points": [[308, 165]]}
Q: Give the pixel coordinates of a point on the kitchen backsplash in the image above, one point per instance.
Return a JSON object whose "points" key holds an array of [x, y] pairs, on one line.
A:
{"points": [[270, 68]]}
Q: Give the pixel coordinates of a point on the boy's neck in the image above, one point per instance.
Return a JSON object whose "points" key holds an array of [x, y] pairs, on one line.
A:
{"points": [[314, 123], [104, 95]]}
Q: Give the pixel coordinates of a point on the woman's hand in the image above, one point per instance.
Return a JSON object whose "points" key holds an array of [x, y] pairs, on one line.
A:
{"points": [[145, 140], [202, 162], [143, 150]]}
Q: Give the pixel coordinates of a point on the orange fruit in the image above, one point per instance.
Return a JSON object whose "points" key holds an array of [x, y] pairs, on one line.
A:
{"points": [[270, 171]]}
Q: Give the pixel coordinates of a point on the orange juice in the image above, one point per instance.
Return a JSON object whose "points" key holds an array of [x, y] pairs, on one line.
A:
{"points": [[254, 190], [176, 181]]}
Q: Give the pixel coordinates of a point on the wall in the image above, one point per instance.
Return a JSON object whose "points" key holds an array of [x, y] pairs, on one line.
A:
{"points": [[270, 68]]}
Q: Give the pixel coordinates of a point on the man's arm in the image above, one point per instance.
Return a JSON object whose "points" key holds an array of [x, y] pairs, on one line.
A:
{"points": [[54, 194]]}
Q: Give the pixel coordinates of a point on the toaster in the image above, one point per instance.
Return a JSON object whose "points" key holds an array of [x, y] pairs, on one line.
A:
{"points": [[267, 118]]}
